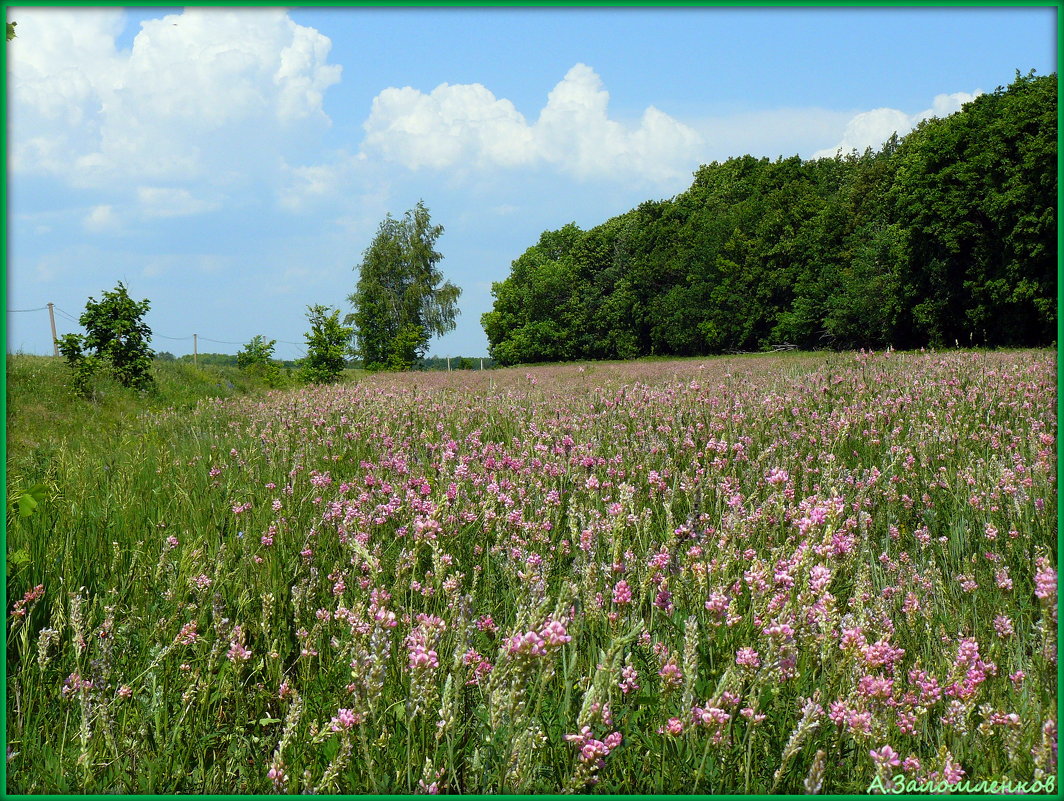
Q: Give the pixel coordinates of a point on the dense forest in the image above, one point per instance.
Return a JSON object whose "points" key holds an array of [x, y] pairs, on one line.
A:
{"points": [[946, 235]]}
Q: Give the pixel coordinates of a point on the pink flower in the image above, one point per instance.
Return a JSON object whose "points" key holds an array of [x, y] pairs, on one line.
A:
{"points": [[580, 738], [711, 717], [622, 593], [777, 476], [751, 714], [593, 751], [717, 603], [747, 657], [277, 775], [673, 727], [238, 653], [554, 633], [1003, 626], [188, 634], [527, 644], [780, 630], [344, 720], [875, 686], [882, 654], [671, 675], [1045, 580], [859, 722], [629, 679], [1003, 580], [421, 657], [201, 582], [906, 722], [952, 772], [885, 757]]}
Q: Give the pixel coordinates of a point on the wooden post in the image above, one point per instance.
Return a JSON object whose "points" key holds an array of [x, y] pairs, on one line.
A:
{"points": [[482, 363], [448, 364], [55, 340], [195, 348]]}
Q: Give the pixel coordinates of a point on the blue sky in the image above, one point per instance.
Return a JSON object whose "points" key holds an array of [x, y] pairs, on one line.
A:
{"points": [[231, 166]]}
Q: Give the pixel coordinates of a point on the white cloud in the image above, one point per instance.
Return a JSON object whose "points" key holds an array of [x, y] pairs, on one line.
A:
{"points": [[467, 126], [944, 105], [452, 123], [199, 94], [305, 185], [873, 128], [171, 202], [100, 219]]}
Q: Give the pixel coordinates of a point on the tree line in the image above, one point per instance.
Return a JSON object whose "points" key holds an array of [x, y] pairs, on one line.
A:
{"points": [[947, 235], [400, 302], [118, 341]]}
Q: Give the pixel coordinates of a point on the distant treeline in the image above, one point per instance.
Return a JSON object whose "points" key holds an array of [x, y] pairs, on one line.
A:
{"points": [[428, 363], [217, 359], [457, 363], [948, 234]]}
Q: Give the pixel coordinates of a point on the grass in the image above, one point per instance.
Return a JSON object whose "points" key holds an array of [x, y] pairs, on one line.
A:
{"points": [[743, 574]]}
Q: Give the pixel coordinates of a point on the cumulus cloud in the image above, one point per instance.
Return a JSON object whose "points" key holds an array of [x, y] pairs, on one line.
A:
{"points": [[197, 94], [155, 201], [466, 125], [873, 128], [304, 185], [100, 219]]}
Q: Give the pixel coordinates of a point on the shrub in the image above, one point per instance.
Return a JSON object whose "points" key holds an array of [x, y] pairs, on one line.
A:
{"points": [[116, 334], [327, 346]]}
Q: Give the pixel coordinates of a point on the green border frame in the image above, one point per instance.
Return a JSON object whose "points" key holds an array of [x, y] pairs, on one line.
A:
{"points": [[531, 4]]}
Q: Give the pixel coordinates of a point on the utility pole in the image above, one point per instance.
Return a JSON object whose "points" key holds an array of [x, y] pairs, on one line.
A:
{"points": [[448, 364], [55, 340], [195, 349], [482, 363]]}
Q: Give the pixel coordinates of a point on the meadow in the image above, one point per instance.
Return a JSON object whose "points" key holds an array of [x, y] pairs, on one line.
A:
{"points": [[779, 573]]}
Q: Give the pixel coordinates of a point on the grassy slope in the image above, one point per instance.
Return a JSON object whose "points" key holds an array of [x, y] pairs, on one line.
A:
{"points": [[44, 412]]}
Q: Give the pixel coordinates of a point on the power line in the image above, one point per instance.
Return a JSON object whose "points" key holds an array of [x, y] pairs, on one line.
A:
{"points": [[66, 314], [301, 346]]}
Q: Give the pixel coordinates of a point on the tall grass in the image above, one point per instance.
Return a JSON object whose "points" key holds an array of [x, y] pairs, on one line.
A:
{"points": [[737, 575]]}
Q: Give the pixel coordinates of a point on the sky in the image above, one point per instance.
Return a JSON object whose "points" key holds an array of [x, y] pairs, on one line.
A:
{"points": [[231, 166]]}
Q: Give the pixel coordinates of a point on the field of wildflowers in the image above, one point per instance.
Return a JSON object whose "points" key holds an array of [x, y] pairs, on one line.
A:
{"points": [[759, 574]]}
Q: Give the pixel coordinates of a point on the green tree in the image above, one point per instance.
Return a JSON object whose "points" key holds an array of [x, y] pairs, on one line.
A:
{"points": [[977, 194], [946, 234], [257, 351], [401, 300], [116, 336], [327, 346], [83, 366], [536, 317], [257, 358]]}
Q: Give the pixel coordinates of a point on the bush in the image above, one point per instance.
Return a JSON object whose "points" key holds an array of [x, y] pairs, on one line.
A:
{"points": [[257, 359], [116, 336], [327, 346]]}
